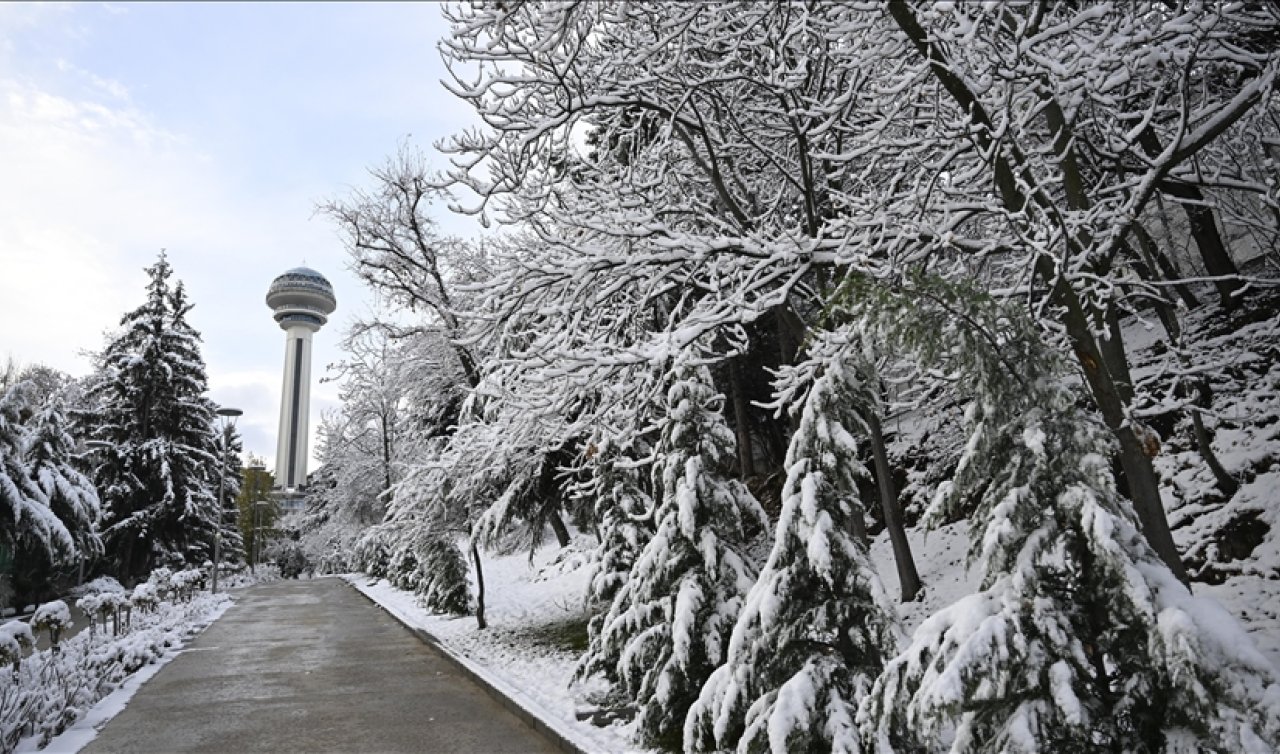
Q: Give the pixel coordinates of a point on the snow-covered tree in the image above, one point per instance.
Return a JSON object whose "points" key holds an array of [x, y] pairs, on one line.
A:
{"points": [[155, 450], [1081, 639], [817, 627], [26, 522], [668, 627], [623, 511], [49, 511], [70, 494]]}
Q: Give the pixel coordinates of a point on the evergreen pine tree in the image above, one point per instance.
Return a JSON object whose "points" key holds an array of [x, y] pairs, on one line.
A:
{"points": [[817, 627], [1081, 638], [155, 451], [621, 508], [669, 625], [442, 587], [29, 529], [70, 495]]}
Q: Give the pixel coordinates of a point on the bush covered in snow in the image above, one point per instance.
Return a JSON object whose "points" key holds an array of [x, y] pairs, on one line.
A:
{"points": [[43, 692]]}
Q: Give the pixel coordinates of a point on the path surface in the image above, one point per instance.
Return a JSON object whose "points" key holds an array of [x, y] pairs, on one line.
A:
{"points": [[312, 666]]}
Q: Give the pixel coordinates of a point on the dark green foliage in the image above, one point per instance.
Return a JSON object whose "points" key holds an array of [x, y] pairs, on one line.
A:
{"points": [[155, 453]]}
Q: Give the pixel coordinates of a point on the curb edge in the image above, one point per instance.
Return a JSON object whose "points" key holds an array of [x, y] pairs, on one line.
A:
{"points": [[529, 718]]}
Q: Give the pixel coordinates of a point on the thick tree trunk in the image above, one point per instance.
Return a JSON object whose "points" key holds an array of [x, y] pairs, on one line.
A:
{"points": [[557, 526], [475, 559], [386, 460], [858, 525], [741, 420], [908, 577], [1012, 185], [1204, 228]]}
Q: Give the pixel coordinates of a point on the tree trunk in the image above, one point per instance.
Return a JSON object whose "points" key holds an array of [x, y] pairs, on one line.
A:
{"points": [[1203, 392], [741, 420], [1227, 484], [1136, 465], [1204, 229], [557, 526], [475, 559], [858, 525], [386, 460], [1157, 257], [907, 575]]}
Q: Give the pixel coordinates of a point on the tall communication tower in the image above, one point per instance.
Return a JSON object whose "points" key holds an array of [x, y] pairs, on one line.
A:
{"points": [[302, 300]]}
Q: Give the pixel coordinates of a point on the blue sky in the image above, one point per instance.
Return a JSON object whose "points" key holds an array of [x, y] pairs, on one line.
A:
{"points": [[211, 130]]}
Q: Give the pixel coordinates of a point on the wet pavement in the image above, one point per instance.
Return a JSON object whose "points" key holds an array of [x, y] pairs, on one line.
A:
{"points": [[312, 666]]}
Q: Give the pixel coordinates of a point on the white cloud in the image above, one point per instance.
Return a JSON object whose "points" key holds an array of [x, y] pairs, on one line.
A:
{"points": [[90, 192]]}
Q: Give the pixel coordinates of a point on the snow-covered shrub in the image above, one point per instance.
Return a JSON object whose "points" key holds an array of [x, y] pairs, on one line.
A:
{"points": [[403, 569], [144, 597], [51, 689], [668, 627], [20, 632], [817, 627], [372, 554], [420, 561], [10, 650], [97, 586], [622, 508], [161, 580], [117, 607], [91, 606], [184, 584], [291, 559], [53, 618]]}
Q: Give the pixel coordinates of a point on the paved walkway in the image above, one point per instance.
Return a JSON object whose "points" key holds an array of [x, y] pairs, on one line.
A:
{"points": [[312, 666]]}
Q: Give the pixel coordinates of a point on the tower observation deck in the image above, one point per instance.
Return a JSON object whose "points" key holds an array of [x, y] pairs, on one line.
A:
{"points": [[302, 300]]}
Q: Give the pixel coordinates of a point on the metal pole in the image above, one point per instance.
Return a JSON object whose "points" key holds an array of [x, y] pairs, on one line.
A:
{"points": [[222, 492], [253, 551]]}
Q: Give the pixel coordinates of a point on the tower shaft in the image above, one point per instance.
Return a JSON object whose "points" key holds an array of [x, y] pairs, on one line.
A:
{"points": [[295, 400]]}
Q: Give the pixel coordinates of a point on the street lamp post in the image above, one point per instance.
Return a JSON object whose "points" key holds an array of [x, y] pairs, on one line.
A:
{"points": [[258, 507], [252, 489], [228, 422]]}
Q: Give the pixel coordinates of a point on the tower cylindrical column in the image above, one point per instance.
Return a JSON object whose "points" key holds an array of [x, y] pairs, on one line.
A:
{"points": [[295, 400]]}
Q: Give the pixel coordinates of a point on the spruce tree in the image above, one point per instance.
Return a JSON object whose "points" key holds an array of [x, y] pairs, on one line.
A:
{"points": [[621, 508], [29, 530], [1081, 638], [817, 627], [70, 495], [669, 625], [156, 454]]}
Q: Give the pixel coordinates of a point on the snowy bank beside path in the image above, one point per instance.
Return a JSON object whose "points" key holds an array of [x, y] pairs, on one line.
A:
{"points": [[536, 616]]}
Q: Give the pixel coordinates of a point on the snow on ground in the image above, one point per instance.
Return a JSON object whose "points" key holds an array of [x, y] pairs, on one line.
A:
{"points": [[537, 631], [940, 561]]}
